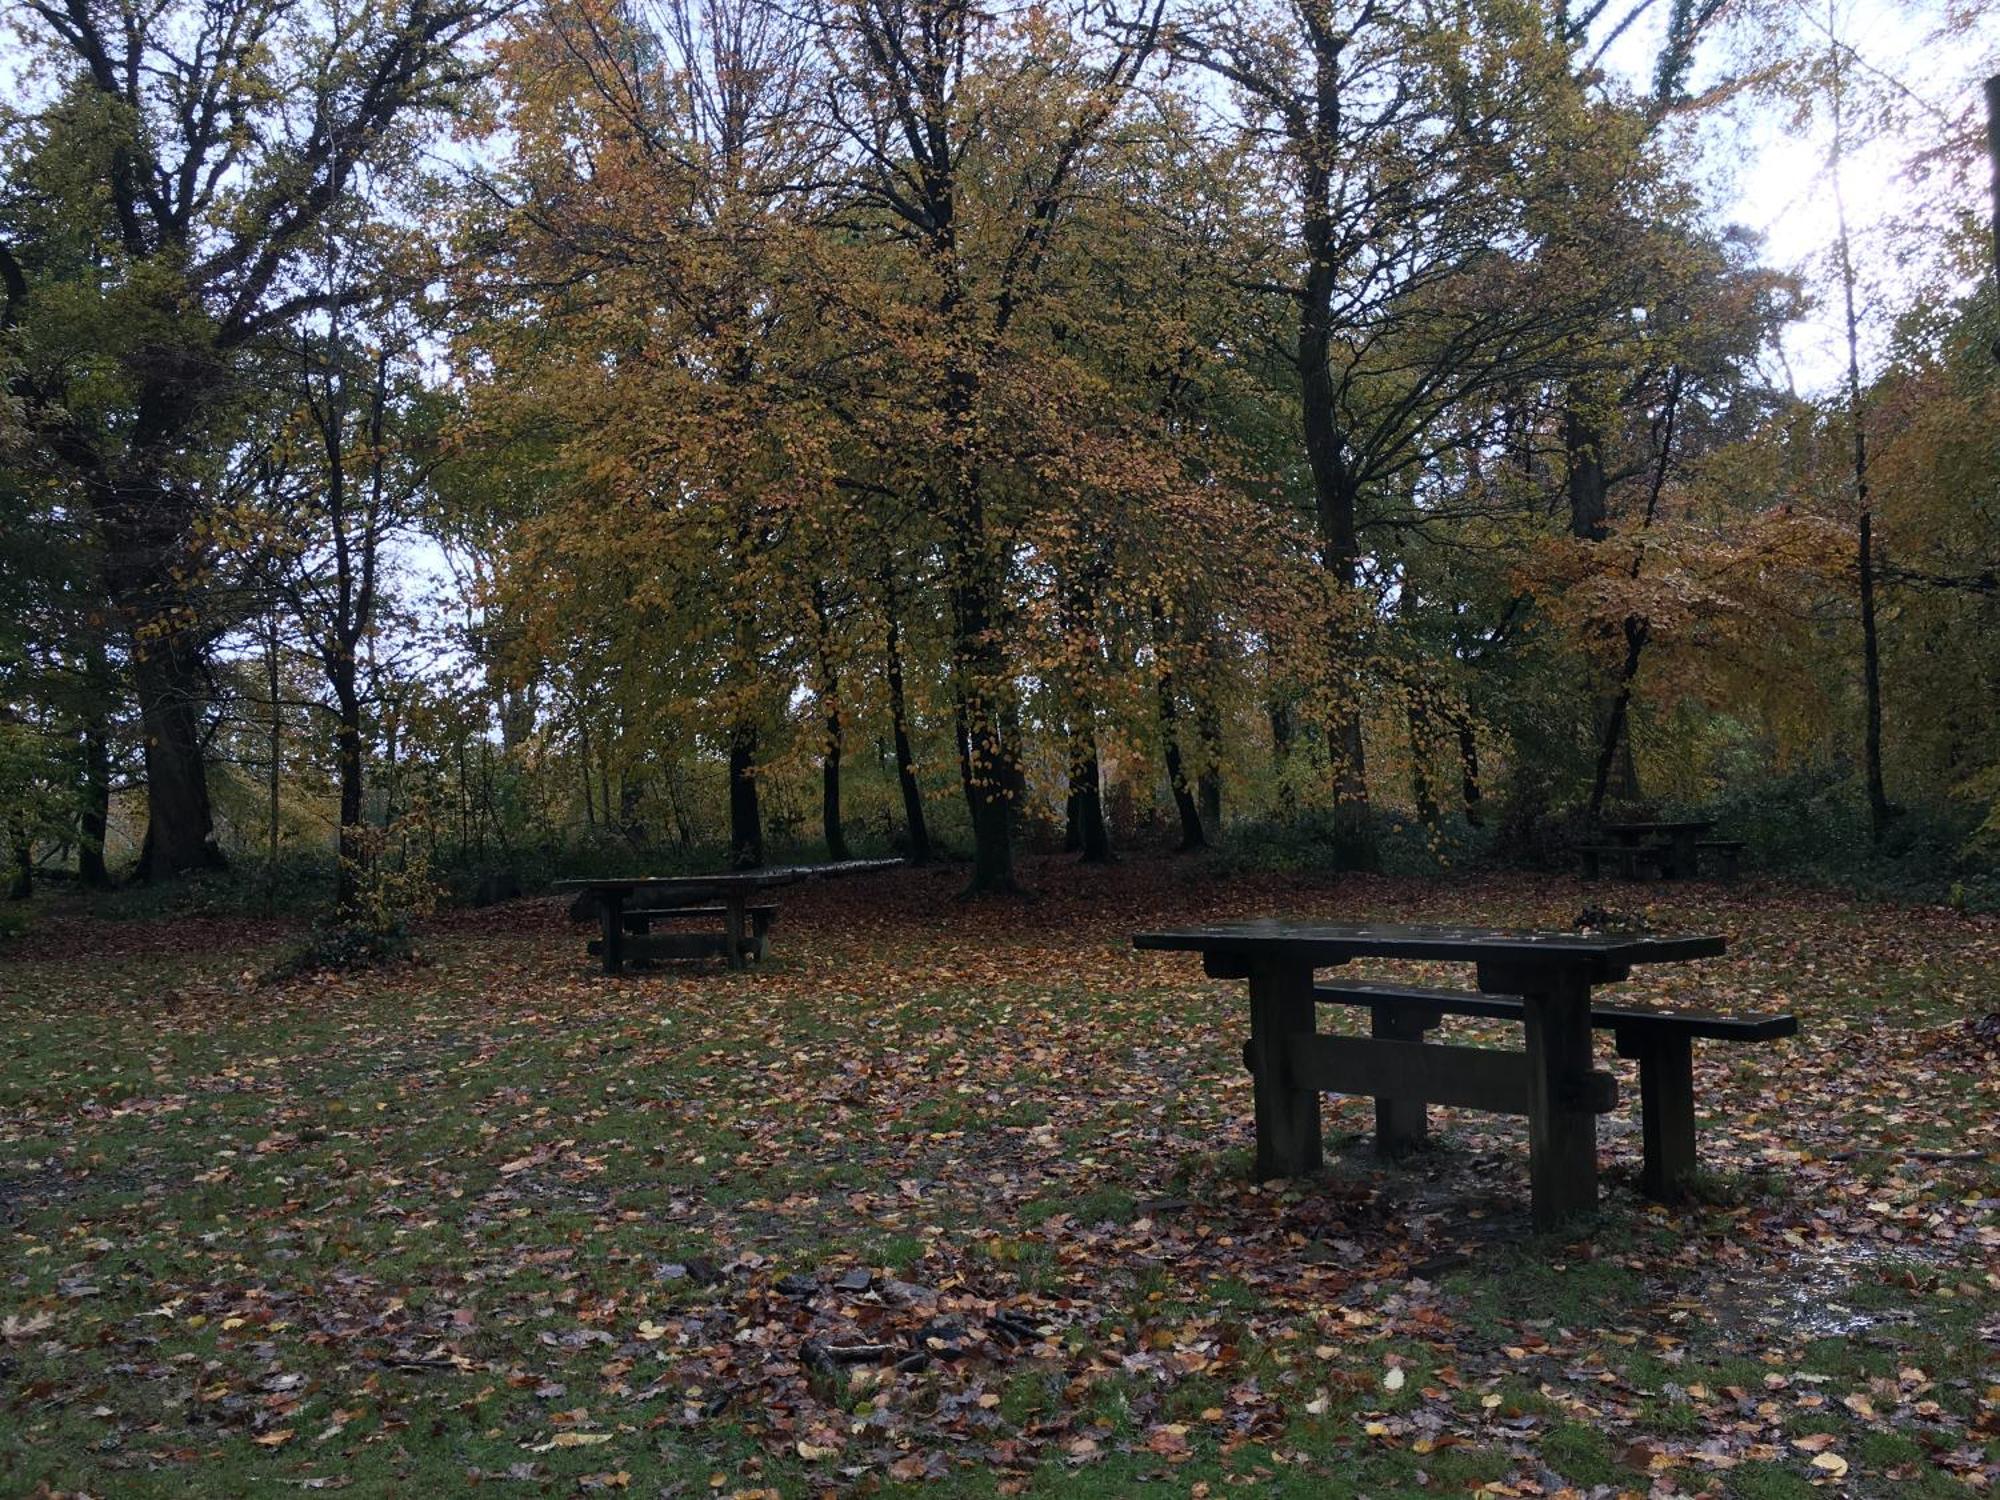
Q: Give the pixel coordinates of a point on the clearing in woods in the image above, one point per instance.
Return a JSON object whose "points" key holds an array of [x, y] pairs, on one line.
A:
{"points": [[954, 1200]]}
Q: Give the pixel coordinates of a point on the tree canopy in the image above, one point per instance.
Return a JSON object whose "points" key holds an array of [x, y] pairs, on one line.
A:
{"points": [[596, 430]]}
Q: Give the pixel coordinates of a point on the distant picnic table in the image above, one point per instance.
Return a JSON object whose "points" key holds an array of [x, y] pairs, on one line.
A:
{"points": [[1668, 847], [631, 904], [1544, 979]]}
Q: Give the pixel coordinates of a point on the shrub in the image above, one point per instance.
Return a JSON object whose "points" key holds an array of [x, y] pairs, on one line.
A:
{"points": [[344, 948], [392, 890]]}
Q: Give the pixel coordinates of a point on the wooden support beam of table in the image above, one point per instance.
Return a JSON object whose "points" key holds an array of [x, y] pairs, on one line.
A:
{"points": [[1562, 1135], [612, 948], [734, 927], [1288, 1128], [1487, 1078], [1402, 1123], [1666, 1098]]}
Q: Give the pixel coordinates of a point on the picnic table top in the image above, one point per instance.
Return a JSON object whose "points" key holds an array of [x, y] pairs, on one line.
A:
{"points": [[758, 878], [1337, 942], [1665, 825]]}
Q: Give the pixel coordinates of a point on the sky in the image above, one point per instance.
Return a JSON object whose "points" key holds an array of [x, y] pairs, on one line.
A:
{"points": [[1770, 173]]}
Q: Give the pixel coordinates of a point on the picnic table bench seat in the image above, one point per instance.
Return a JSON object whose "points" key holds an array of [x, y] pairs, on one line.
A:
{"points": [[1659, 1040]]}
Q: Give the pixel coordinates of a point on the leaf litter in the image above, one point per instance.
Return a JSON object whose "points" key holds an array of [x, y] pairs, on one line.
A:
{"points": [[956, 1197]]}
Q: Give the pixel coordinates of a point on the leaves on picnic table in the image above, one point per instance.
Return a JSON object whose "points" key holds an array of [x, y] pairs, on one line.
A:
{"points": [[954, 1191]]}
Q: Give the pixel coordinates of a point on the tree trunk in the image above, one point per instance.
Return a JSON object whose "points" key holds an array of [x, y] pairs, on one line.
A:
{"points": [[631, 827], [1615, 734], [1192, 836], [1614, 753], [1879, 809], [899, 719], [986, 759], [1470, 791], [1992, 88], [180, 828], [829, 698], [1421, 791], [677, 806], [347, 757], [274, 757], [1589, 486], [146, 524], [391, 775], [1355, 845], [94, 818], [1280, 714], [829, 790], [746, 818], [1088, 834], [1208, 781], [1334, 495], [21, 881], [1085, 832]]}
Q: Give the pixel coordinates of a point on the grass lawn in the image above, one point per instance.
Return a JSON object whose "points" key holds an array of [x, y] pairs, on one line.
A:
{"points": [[953, 1200]]}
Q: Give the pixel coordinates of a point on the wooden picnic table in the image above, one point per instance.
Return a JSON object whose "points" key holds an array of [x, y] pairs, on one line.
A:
{"points": [[734, 891], [1677, 836], [1551, 1082]]}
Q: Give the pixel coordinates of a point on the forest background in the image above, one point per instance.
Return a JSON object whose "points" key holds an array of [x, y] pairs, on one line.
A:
{"points": [[449, 444]]}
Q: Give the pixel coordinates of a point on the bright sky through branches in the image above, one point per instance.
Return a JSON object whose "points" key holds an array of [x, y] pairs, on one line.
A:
{"points": [[1769, 171]]}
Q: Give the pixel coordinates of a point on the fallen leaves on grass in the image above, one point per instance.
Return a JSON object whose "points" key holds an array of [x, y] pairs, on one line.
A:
{"points": [[959, 1191]]}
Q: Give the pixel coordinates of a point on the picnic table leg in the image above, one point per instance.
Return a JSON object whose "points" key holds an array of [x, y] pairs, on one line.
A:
{"points": [[1401, 1125], [1288, 1130], [1666, 1110], [732, 907], [613, 903], [1562, 1132]]}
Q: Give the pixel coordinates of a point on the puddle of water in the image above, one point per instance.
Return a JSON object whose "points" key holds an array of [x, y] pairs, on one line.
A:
{"points": [[1811, 1295]]}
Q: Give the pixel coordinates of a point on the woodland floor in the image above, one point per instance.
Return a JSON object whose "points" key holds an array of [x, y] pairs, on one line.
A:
{"points": [[500, 1219]]}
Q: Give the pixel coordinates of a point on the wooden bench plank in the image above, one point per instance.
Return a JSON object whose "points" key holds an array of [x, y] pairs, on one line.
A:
{"points": [[695, 911], [1702, 1025]]}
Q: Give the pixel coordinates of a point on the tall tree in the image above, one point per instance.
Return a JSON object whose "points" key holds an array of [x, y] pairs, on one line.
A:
{"points": [[338, 496], [654, 209], [154, 213], [1879, 808], [966, 137], [1433, 180]]}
